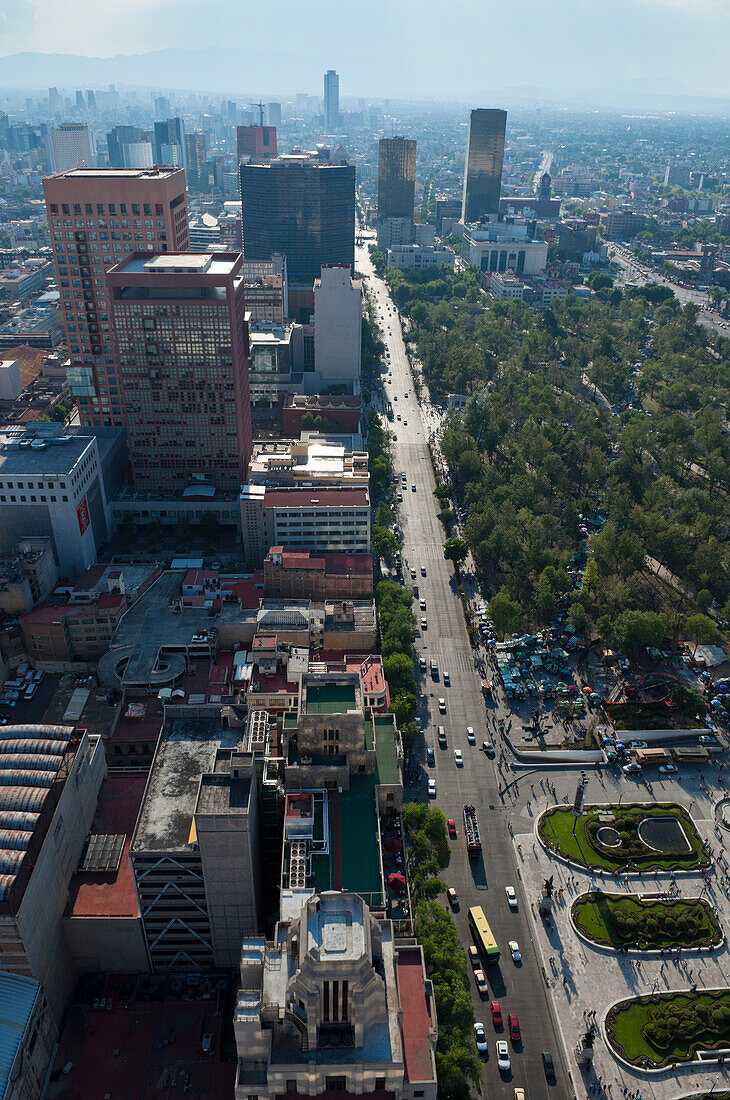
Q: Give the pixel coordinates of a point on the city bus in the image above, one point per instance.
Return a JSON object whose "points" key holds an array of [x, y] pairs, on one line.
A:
{"points": [[483, 936]]}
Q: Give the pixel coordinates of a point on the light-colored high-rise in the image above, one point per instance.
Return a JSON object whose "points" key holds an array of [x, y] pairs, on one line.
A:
{"points": [[71, 146], [331, 100]]}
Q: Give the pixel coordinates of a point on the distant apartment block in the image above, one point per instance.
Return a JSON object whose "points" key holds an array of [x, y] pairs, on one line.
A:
{"points": [[71, 146], [314, 519]]}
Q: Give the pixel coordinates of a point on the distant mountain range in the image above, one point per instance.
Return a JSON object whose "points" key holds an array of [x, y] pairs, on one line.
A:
{"points": [[232, 71]]}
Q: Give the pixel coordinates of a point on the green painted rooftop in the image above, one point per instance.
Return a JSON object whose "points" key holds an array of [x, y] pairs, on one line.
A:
{"points": [[330, 698]]}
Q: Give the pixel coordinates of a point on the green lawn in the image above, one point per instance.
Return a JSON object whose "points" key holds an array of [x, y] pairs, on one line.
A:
{"points": [[557, 825], [669, 1027], [624, 920]]}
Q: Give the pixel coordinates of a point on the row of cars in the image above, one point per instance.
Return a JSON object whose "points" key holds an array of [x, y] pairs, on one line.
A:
{"points": [[23, 685]]}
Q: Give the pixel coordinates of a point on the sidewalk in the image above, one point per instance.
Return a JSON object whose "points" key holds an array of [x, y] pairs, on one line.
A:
{"points": [[582, 978]]}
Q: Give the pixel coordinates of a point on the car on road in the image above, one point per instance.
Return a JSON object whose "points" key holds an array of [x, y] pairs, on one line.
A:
{"points": [[447, 679], [431, 758], [481, 983], [453, 897], [503, 1055], [405, 394], [458, 758], [442, 705], [639, 745], [474, 957], [480, 1038], [513, 1026], [442, 737], [511, 896], [488, 748], [423, 570], [496, 1010], [631, 769], [451, 826], [548, 1066], [422, 664], [668, 769], [422, 605], [398, 416], [514, 950], [432, 788], [707, 739], [405, 425], [519, 1094], [424, 623], [470, 735], [400, 497]]}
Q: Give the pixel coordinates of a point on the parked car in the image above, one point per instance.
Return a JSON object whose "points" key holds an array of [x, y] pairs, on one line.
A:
{"points": [[496, 1010], [480, 1038], [503, 1059], [432, 788], [430, 758]]}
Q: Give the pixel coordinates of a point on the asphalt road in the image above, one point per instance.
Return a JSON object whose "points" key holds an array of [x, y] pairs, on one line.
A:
{"points": [[478, 882], [632, 272]]}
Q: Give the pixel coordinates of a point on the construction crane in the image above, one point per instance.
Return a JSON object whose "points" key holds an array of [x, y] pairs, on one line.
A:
{"points": [[261, 111]]}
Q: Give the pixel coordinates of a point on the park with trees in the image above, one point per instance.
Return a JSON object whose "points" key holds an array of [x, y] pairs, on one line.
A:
{"points": [[646, 923], [537, 450], [662, 1029]]}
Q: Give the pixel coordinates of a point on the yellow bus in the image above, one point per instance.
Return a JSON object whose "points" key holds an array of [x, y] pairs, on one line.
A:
{"points": [[483, 937]]}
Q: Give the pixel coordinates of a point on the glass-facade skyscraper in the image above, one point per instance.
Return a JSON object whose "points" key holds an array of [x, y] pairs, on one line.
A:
{"points": [[301, 208], [331, 100], [396, 177], [483, 170]]}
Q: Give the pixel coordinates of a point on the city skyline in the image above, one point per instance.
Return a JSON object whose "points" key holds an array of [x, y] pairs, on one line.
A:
{"points": [[669, 37]]}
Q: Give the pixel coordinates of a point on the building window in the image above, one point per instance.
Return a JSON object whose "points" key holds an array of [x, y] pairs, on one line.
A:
{"points": [[379, 1083], [335, 1084], [291, 1086]]}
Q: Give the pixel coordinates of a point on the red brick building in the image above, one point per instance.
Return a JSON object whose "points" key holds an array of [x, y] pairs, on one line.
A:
{"points": [[341, 410], [302, 575]]}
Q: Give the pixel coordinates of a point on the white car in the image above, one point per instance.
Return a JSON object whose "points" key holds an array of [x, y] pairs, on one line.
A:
{"points": [[503, 1055], [470, 735], [432, 788], [458, 758], [511, 896], [480, 1038], [514, 950]]}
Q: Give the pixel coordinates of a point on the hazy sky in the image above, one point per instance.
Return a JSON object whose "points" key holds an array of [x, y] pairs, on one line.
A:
{"points": [[431, 48]]}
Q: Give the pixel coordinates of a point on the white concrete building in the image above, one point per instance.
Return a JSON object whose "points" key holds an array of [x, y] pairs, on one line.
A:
{"points": [[71, 146], [53, 484], [10, 384], [507, 285], [416, 257], [138, 154], [503, 246], [332, 519], [338, 327]]}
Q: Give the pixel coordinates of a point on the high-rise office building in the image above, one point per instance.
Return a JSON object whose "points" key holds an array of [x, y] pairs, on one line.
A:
{"points": [[396, 177], [96, 218], [182, 345], [91, 101], [257, 144], [195, 156], [274, 113], [170, 143], [138, 154], [162, 106], [303, 208], [80, 101], [70, 146], [116, 139], [331, 100], [483, 170]]}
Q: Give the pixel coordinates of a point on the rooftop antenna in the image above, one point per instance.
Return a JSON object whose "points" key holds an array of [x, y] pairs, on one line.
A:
{"points": [[261, 111]]}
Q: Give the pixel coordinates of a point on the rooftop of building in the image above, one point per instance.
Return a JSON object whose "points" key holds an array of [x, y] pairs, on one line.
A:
{"points": [[323, 498], [346, 565], [330, 698], [130, 1047], [117, 173], [176, 265], [18, 995], [111, 893], [187, 748], [140, 719], [416, 1015], [32, 758], [321, 401], [48, 450]]}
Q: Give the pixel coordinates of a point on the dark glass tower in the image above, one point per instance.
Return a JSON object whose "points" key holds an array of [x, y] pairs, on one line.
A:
{"points": [[303, 209], [396, 177], [483, 171]]}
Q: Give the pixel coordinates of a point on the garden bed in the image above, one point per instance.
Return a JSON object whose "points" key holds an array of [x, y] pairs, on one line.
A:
{"points": [[650, 716], [576, 839], [658, 1030], [646, 924]]}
